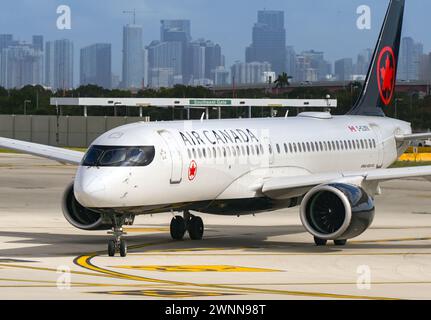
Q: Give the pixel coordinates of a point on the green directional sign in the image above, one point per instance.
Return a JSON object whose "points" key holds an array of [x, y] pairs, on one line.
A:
{"points": [[210, 102]]}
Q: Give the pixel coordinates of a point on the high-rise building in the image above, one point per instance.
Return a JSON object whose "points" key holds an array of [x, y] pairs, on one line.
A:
{"points": [[344, 69], [133, 52], [197, 60], [410, 56], [291, 62], [37, 42], [6, 40], [161, 77], [269, 40], [59, 64], [95, 65], [178, 31], [63, 64], [250, 73], [363, 62], [166, 55], [175, 30], [20, 65], [220, 75], [318, 68]]}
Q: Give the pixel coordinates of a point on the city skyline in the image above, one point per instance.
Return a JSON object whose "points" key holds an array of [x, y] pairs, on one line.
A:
{"points": [[93, 23]]}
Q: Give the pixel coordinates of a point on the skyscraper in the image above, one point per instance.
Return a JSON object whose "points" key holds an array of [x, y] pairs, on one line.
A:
{"points": [[133, 57], [250, 73], [291, 62], [269, 40], [59, 64], [6, 40], [410, 56], [95, 65], [164, 55], [21, 65], [37, 42], [344, 69], [178, 31]]}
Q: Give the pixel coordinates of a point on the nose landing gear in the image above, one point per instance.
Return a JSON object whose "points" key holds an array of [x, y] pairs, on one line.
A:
{"points": [[118, 244], [190, 223]]}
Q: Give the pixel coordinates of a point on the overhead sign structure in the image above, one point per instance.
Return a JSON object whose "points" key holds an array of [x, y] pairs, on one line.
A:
{"points": [[194, 102]]}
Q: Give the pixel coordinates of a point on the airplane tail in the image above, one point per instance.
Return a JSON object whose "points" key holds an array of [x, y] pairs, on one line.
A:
{"points": [[379, 87]]}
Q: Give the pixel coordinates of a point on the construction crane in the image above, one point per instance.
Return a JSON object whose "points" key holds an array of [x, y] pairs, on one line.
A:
{"points": [[134, 14]]}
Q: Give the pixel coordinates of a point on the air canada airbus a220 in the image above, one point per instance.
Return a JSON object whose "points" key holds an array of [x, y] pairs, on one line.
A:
{"points": [[330, 166]]}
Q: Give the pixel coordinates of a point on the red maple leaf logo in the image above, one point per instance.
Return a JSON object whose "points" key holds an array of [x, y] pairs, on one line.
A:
{"points": [[192, 170], [387, 73]]}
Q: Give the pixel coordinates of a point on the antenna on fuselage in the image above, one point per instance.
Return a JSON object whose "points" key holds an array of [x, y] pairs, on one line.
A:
{"points": [[202, 116]]}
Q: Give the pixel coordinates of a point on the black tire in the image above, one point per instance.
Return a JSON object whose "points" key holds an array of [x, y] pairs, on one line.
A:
{"points": [[123, 248], [320, 242], [178, 228], [196, 228], [111, 248], [340, 242]]}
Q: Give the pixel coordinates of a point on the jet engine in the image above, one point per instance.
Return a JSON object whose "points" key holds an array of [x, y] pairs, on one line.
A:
{"points": [[337, 211], [79, 216]]}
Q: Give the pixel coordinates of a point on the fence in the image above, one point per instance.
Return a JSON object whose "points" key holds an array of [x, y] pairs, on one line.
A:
{"points": [[72, 131]]}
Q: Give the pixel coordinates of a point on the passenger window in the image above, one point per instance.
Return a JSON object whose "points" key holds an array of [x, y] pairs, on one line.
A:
{"points": [[285, 148], [278, 148], [189, 153], [257, 150]]}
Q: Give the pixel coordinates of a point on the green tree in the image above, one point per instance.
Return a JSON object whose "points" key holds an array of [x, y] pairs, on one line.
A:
{"points": [[283, 80]]}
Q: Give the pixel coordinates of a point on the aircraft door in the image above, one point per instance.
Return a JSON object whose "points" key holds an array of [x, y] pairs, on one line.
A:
{"points": [[175, 156], [380, 144], [268, 149]]}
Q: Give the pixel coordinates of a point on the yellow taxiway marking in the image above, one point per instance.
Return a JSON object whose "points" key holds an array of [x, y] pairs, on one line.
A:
{"points": [[198, 268], [393, 240], [85, 261]]}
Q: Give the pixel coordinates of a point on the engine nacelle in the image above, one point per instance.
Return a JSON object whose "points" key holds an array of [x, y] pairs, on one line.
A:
{"points": [[337, 211], [79, 216]]}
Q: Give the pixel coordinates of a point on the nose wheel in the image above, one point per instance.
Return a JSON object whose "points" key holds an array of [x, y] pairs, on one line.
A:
{"points": [[117, 244], [190, 223]]}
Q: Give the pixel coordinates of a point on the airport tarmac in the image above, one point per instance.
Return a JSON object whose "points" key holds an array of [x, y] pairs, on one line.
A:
{"points": [[267, 256]]}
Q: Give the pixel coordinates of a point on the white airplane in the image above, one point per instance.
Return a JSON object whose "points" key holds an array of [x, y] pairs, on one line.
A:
{"points": [[329, 165]]}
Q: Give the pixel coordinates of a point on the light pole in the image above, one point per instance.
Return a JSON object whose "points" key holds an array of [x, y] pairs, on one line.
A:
{"points": [[25, 106]]}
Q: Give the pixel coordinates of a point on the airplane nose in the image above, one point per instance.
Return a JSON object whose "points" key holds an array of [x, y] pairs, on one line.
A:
{"points": [[90, 189]]}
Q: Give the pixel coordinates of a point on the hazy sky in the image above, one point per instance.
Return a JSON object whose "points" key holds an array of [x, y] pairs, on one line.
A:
{"points": [[327, 25]]}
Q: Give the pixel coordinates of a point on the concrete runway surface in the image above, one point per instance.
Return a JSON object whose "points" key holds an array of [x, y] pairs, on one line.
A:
{"points": [[268, 256]]}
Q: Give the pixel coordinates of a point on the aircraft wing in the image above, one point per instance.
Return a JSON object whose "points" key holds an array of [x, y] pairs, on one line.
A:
{"points": [[281, 185], [412, 137], [44, 151]]}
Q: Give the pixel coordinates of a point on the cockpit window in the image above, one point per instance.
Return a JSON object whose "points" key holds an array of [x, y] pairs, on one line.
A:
{"points": [[116, 156]]}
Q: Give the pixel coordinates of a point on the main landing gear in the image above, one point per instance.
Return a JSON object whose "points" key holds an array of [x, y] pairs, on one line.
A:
{"points": [[190, 223], [322, 242], [118, 244]]}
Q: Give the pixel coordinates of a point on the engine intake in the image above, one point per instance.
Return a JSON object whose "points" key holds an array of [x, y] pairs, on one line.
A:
{"points": [[79, 216], [337, 211]]}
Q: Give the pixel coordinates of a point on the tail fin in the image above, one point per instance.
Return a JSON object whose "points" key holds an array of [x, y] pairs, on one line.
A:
{"points": [[379, 87]]}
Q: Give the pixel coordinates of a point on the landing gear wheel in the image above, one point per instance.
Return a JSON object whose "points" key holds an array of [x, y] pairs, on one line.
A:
{"points": [[340, 242], [123, 248], [196, 228], [178, 228], [320, 242], [111, 248]]}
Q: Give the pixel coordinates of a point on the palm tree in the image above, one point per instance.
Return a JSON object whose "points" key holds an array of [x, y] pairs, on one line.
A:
{"points": [[283, 80]]}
